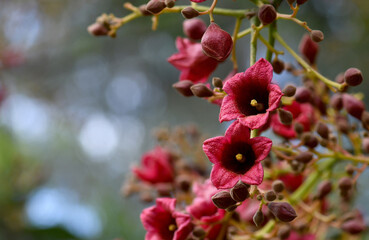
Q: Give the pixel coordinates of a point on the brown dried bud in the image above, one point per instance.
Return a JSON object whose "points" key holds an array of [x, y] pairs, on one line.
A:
{"points": [[300, 2], [309, 48], [304, 157], [284, 232], [240, 192], [352, 105], [216, 43], [323, 130], [267, 14], [258, 218], [353, 76], [317, 35], [302, 95], [324, 189], [189, 12], [184, 87], [365, 144], [299, 128], [170, 3], [270, 196], [155, 6], [337, 102], [143, 10], [278, 186], [285, 117], [278, 65], [309, 140], [283, 211], [184, 182], [201, 90], [345, 184], [199, 232], [365, 120], [194, 28], [223, 200], [98, 29], [354, 226], [217, 82], [289, 90]]}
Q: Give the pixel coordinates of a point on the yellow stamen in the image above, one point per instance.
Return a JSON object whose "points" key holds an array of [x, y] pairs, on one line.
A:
{"points": [[258, 106], [240, 158], [172, 227], [254, 103]]}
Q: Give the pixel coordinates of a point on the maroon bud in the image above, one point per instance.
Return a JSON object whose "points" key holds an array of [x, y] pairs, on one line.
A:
{"points": [[365, 120], [318, 102], [223, 200], [201, 90], [365, 144], [302, 95], [340, 78], [353, 76], [289, 91], [240, 192], [278, 186], [189, 12], [317, 35], [199, 232], [143, 10], [184, 87], [309, 140], [278, 65], [216, 43], [270, 196], [267, 14], [300, 2], [299, 128], [308, 48], [345, 183], [98, 29], [183, 182], [170, 3], [337, 102], [283, 211], [258, 218], [155, 6], [284, 232], [217, 82], [352, 105], [285, 117], [304, 157], [323, 130], [350, 169], [324, 189], [194, 28], [342, 124], [353, 226]]}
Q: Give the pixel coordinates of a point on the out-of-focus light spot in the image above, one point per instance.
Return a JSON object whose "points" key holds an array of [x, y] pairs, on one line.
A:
{"points": [[49, 207], [134, 134], [98, 137], [27, 117]]}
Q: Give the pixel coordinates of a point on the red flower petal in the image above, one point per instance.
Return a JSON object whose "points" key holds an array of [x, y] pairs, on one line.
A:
{"points": [[213, 148], [223, 178], [254, 176], [261, 147], [237, 132]]}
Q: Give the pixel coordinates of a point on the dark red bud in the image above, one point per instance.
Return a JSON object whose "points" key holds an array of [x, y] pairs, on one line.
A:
{"points": [[278, 65], [216, 43], [323, 130], [283, 211], [189, 12], [284, 232], [324, 189], [278, 186], [345, 183], [270, 196], [343, 125], [317, 35], [309, 48], [353, 106], [267, 14], [304, 157], [285, 117], [302, 95], [223, 200], [289, 91], [98, 29], [337, 102], [184, 87], [143, 10], [299, 128], [240, 192], [183, 182], [194, 28], [350, 170], [353, 76], [155, 6], [170, 3], [217, 82], [201, 90], [309, 140], [354, 226], [258, 218]]}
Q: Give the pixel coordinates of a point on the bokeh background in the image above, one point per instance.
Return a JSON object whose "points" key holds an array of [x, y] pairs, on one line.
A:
{"points": [[77, 111]]}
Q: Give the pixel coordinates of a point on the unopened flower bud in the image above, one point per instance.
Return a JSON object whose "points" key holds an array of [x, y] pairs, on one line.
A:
{"points": [[304, 157], [217, 82], [324, 189], [194, 28], [170, 3], [309, 48], [350, 169], [278, 186], [285, 117], [353, 76], [155, 6], [189, 12], [201, 90], [240, 192], [302, 95], [289, 90], [184, 87], [98, 29], [300, 2], [283, 211], [184, 182], [284, 232], [343, 125], [336, 102], [323, 130], [317, 35], [270, 196], [352, 105], [299, 128], [199, 232], [345, 184], [278, 65], [353, 226], [216, 43], [258, 218], [365, 144], [365, 120], [223, 200], [143, 10], [309, 140], [267, 14]]}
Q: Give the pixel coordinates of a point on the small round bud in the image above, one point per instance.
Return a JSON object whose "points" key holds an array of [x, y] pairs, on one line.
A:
{"points": [[283, 211], [216, 43], [184, 183], [299, 128], [343, 125], [289, 91], [189, 12], [302, 95], [350, 170], [155, 6], [223, 200], [324, 189], [199, 232], [284, 232], [258, 218], [278, 65], [309, 48], [267, 14], [240, 192], [345, 184], [352, 105], [201, 90], [259, 197], [98, 29], [143, 10], [309, 140], [304, 157], [278, 186], [194, 28], [336, 102], [353, 76], [285, 117], [317, 35], [270, 196], [184, 87], [322, 130], [280, 197], [170, 3], [353, 226], [217, 82]]}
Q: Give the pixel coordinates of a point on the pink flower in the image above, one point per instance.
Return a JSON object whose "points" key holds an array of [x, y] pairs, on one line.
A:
{"points": [[192, 62], [296, 236], [237, 157], [163, 222], [302, 113], [156, 167], [251, 96]]}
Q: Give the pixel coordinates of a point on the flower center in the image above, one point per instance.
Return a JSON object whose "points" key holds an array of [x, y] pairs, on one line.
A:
{"points": [[240, 158], [172, 227], [258, 106]]}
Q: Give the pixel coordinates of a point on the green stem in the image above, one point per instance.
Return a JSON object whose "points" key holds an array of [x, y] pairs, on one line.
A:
{"points": [[253, 42], [217, 11], [244, 32], [272, 29], [269, 47], [254, 133], [225, 223], [235, 37], [266, 229]]}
